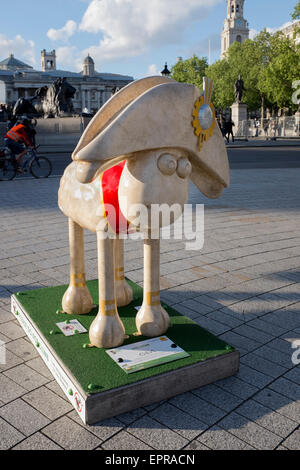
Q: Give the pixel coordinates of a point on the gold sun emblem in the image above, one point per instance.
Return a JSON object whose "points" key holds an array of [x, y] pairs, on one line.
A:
{"points": [[204, 116]]}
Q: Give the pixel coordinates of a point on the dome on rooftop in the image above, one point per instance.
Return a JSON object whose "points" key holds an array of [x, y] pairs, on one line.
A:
{"points": [[88, 60]]}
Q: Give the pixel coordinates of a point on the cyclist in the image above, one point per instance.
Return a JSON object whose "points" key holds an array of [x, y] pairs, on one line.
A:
{"points": [[18, 136]]}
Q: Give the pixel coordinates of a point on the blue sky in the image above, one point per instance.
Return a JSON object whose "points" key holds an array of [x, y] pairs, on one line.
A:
{"points": [[132, 37]]}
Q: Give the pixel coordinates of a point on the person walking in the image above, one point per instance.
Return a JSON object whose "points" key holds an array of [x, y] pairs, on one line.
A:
{"points": [[229, 125]]}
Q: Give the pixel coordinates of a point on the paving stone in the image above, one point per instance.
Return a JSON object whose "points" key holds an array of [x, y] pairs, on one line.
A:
{"points": [[26, 377], [37, 442], [11, 330], [253, 377], [9, 435], [287, 388], [211, 325], [293, 375], [39, 366], [104, 430], [9, 390], [267, 418], [263, 365], [128, 418], [237, 387], [54, 387], [218, 397], [293, 441], [198, 408], [23, 417], [11, 361], [156, 435], [5, 316], [47, 402], [280, 403], [22, 349], [219, 439], [179, 421], [196, 445], [267, 327], [125, 441], [69, 435], [275, 356], [250, 432], [253, 333], [239, 341], [227, 320]]}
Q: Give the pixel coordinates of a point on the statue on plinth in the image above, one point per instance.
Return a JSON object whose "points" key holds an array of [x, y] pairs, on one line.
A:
{"points": [[239, 89]]}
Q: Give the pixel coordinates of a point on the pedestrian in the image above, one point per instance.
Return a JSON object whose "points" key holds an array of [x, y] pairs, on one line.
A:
{"points": [[229, 125]]}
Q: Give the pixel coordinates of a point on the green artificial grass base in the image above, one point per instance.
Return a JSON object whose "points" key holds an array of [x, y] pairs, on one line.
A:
{"points": [[92, 366]]}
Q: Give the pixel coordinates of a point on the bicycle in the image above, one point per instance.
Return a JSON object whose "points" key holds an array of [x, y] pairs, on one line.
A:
{"points": [[39, 167]]}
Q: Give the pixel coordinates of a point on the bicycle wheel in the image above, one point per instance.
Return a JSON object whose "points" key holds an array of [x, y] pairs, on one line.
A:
{"points": [[7, 170], [40, 167]]}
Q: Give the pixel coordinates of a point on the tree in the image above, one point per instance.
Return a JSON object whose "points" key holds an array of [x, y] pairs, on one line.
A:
{"points": [[276, 80], [296, 14], [190, 71]]}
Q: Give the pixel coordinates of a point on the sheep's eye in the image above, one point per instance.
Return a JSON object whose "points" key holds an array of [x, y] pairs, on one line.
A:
{"points": [[184, 167], [167, 164]]}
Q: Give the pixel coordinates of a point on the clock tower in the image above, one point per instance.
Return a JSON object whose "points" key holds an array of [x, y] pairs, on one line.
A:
{"points": [[235, 28]]}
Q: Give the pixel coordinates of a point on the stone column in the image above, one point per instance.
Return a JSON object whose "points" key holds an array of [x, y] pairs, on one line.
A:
{"points": [[89, 100], [82, 99], [239, 113]]}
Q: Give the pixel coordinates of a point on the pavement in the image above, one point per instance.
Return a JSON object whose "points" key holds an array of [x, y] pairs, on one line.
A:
{"points": [[243, 286]]}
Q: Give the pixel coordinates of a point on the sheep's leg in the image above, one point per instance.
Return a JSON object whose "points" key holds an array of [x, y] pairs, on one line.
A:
{"points": [[124, 293], [107, 330], [77, 299], [152, 319]]}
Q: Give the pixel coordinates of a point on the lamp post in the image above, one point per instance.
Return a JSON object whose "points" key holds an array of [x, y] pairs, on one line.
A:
{"points": [[166, 72]]}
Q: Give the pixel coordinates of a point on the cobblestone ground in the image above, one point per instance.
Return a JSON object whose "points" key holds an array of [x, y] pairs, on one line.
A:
{"points": [[243, 286]]}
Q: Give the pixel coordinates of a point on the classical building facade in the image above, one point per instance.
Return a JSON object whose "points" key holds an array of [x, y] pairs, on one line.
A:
{"points": [[292, 31], [93, 88], [235, 28]]}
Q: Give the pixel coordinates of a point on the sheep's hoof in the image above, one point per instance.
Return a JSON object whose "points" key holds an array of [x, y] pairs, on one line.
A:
{"points": [[77, 301], [107, 332], [124, 293], [152, 321]]}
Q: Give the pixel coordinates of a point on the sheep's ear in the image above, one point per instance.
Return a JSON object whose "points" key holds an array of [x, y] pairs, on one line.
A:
{"points": [[212, 178]]}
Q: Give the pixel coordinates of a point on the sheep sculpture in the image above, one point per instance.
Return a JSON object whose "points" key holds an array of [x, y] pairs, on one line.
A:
{"points": [[142, 148]]}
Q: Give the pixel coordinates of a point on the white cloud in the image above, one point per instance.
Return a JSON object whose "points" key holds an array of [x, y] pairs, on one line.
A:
{"points": [[130, 27], [153, 70], [69, 57], [21, 48], [64, 33]]}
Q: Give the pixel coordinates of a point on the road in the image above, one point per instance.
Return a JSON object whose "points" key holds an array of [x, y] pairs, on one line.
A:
{"points": [[240, 158]]}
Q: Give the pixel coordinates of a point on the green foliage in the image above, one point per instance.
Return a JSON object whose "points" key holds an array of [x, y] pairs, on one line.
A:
{"points": [[268, 64], [190, 71], [296, 14]]}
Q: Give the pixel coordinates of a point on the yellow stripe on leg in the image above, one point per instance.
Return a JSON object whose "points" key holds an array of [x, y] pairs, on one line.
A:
{"points": [[108, 308], [78, 280], [153, 298]]}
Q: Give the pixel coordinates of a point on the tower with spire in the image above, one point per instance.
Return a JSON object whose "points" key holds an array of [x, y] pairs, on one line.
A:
{"points": [[235, 28]]}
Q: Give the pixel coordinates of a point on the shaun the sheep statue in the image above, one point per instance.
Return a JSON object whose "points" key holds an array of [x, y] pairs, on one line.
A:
{"points": [[142, 148]]}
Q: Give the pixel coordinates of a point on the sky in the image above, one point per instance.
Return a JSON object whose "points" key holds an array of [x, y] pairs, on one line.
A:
{"points": [[130, 37]]}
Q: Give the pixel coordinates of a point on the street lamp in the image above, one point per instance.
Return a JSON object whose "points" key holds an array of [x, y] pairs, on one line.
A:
{"points": [[166, 72]]}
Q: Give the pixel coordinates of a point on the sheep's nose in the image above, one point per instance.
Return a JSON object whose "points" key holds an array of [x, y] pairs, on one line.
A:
{"points": [[184, 167]]}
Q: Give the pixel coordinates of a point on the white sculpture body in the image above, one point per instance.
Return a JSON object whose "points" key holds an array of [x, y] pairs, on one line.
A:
{"points": [[166, 134]]}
